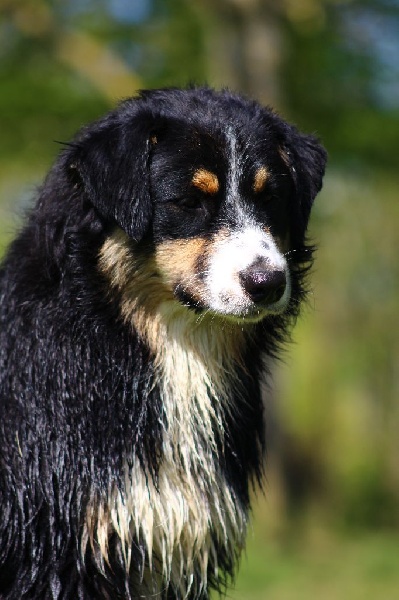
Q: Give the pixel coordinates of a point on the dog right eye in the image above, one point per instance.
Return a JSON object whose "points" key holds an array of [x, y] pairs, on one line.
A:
{"points": [[188, 203]]}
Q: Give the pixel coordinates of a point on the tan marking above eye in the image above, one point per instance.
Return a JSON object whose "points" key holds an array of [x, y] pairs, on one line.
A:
{"points": [[261, 176], [206, 181]]}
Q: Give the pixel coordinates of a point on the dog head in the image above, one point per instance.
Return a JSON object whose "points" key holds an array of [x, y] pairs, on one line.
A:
{"points": [[217, 186]]}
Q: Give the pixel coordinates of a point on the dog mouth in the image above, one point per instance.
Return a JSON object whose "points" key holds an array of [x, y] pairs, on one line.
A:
{"points": [[258, 294], [249, 314]]}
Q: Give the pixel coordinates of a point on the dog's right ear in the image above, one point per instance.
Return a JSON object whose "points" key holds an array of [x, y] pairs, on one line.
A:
{"points": [[111, 160], [306, 159]]}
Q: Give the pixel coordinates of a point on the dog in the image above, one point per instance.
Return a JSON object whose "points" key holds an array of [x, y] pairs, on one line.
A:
{"points": [[160, 270]]}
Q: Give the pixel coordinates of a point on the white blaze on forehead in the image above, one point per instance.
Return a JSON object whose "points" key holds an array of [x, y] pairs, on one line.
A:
{"points": [[234, 166], [232, 255], [234, 174], [244, 246]]}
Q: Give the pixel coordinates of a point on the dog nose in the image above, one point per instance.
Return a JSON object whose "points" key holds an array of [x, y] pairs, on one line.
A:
{"points": [[263, 285]]}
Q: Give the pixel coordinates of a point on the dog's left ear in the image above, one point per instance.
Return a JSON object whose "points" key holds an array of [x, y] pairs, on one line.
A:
{"points": [[111, 158], [306, 159]]}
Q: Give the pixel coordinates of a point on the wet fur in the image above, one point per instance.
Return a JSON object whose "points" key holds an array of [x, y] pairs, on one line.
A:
{"points": [[132, 422]]}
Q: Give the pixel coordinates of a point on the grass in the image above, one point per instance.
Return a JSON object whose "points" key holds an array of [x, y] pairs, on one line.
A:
{"points": [[319, 564]]}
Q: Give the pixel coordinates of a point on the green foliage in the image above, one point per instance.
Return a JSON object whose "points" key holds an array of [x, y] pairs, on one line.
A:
{"points": [[40, 103], [339, 80], [44, 98], [320, 566], [338, 396]]}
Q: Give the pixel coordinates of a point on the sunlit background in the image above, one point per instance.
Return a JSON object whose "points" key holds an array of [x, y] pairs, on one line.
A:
{"points": [[327, 525]]}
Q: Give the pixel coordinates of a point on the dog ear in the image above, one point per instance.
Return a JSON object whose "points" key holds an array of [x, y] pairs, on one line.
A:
{"points": [[306, 159], [112, 161]]}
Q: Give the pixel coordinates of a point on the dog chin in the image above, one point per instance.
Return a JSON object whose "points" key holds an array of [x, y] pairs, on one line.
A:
{"points": [[250, 314], [245, 311]]}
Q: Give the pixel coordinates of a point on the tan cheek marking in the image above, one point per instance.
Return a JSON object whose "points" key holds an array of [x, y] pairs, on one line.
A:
{"points": [[206, 181], [260, 179], [176, 260], [138, 282]]}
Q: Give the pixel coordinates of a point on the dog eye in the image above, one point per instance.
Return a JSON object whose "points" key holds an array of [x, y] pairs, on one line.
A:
{"points": [[188, 202], [271, 193], [272, 197], [266, 196]]}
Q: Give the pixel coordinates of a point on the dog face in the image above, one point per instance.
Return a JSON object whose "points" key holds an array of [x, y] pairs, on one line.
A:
{"points": [[218, 187], [221, 221]]}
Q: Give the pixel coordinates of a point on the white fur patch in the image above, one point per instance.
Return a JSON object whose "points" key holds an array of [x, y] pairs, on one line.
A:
{"points": [[234, 254]]}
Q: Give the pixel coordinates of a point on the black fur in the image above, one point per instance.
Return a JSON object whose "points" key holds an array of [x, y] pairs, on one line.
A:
{"points": [[77, 388]]}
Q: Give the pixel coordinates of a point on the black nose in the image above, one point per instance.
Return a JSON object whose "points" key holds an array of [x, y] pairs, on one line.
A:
{"points": [[263, 285]]}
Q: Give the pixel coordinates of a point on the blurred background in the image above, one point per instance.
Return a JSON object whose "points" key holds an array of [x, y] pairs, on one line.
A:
{"points": [[327, 525]]}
